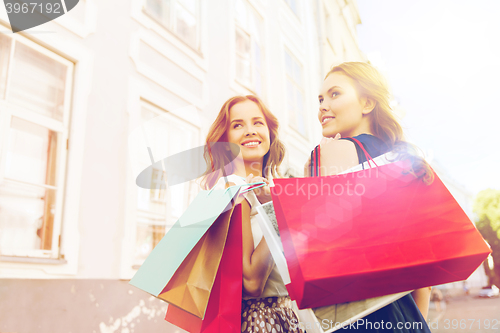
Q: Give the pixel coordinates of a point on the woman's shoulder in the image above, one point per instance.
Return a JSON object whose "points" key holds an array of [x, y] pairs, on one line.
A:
{"points": [[369, 139], [373, 145], [337, 156]]}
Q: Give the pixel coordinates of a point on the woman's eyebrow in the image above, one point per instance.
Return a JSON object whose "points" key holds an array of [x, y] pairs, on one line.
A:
{"points": [[241, 120], [329, 90]]}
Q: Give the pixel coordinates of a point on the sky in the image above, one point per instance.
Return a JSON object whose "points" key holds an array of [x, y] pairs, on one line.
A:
{"points": [[442, 61]]}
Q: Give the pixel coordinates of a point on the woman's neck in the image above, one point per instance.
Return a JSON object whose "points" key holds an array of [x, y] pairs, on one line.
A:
{"points": [[363, 128], [352, 135]]}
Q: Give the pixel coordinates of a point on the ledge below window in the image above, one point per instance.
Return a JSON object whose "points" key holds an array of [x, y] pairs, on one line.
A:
{"points": [[33, 260]]}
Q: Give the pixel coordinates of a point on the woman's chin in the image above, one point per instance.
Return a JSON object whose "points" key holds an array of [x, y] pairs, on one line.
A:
{"points": [[329, 133], [256, 157]]}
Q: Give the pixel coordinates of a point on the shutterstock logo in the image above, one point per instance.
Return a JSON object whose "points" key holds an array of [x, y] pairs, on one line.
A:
{"points": [[31, 13]]}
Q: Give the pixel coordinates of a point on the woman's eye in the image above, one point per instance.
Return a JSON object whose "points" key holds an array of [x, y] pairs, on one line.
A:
{"points": [[334, 94], [236, 125], [259, 122]]}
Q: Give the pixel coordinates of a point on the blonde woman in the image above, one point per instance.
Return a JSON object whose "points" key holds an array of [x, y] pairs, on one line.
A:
{"points": [[354, 103]]}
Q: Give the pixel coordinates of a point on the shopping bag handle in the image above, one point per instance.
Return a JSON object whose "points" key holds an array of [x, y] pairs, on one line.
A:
{"points": [[367, 156], [315, 161], [252, 187]]}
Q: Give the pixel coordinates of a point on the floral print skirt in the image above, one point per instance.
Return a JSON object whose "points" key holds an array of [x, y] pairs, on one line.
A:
{"points": [[269, 315]]}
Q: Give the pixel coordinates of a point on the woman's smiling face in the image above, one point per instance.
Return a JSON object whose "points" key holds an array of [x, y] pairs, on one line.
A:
{"points": [[340, 108], [248, 129]]}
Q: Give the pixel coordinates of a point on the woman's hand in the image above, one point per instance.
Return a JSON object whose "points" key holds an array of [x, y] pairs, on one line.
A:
{"points": [[325, 140], [263, 193]]}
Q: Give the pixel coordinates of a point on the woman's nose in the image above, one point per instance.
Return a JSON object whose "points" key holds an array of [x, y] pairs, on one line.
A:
{"points": [[250, 131]]}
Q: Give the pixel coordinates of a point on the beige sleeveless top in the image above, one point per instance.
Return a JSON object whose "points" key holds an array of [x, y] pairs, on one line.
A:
{"points": [[274, 285]]}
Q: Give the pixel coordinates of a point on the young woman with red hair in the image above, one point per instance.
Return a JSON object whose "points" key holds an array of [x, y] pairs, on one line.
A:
{"points": [[246, 122]]}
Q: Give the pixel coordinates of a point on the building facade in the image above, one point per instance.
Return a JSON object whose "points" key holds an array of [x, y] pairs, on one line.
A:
{"points": [[84, 96]]}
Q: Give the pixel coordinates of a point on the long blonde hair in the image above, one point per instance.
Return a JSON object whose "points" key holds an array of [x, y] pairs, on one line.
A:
{"points": [[217, 159], [369, 83]]}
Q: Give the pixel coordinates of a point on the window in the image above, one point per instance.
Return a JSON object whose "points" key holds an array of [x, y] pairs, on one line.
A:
{"points": [[179, 16], [295, 94], [159, 208], [35, 85], [293, 6], [249, 57]]}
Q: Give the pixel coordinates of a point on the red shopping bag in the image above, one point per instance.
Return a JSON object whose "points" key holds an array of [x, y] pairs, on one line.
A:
{"points": [[371, 233], [223, 312]]}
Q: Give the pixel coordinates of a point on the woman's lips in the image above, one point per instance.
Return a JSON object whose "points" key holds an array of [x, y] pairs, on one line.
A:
{"points": [[326, 120], [251, 144]]}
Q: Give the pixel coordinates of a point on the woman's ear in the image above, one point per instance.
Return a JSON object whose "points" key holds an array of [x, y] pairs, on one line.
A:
{"points": [[369, 105]]}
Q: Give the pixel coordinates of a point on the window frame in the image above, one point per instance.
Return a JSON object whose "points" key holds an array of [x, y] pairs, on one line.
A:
{"points": [[154, 30], [252, 9], [191, 115], [301, 89], [81, 29], [194, 62], [296, 14], [172, 22], [7, 111], [239, 55], [67, 264], [169, 218]]}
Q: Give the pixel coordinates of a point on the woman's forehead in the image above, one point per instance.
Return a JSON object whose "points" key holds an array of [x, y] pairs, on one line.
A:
{"points": [[245, 110], [337, 79]]}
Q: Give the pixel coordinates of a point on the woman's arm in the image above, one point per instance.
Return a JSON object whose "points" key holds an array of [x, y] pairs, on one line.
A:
{"points": [[257, 263], [422, 298]]}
